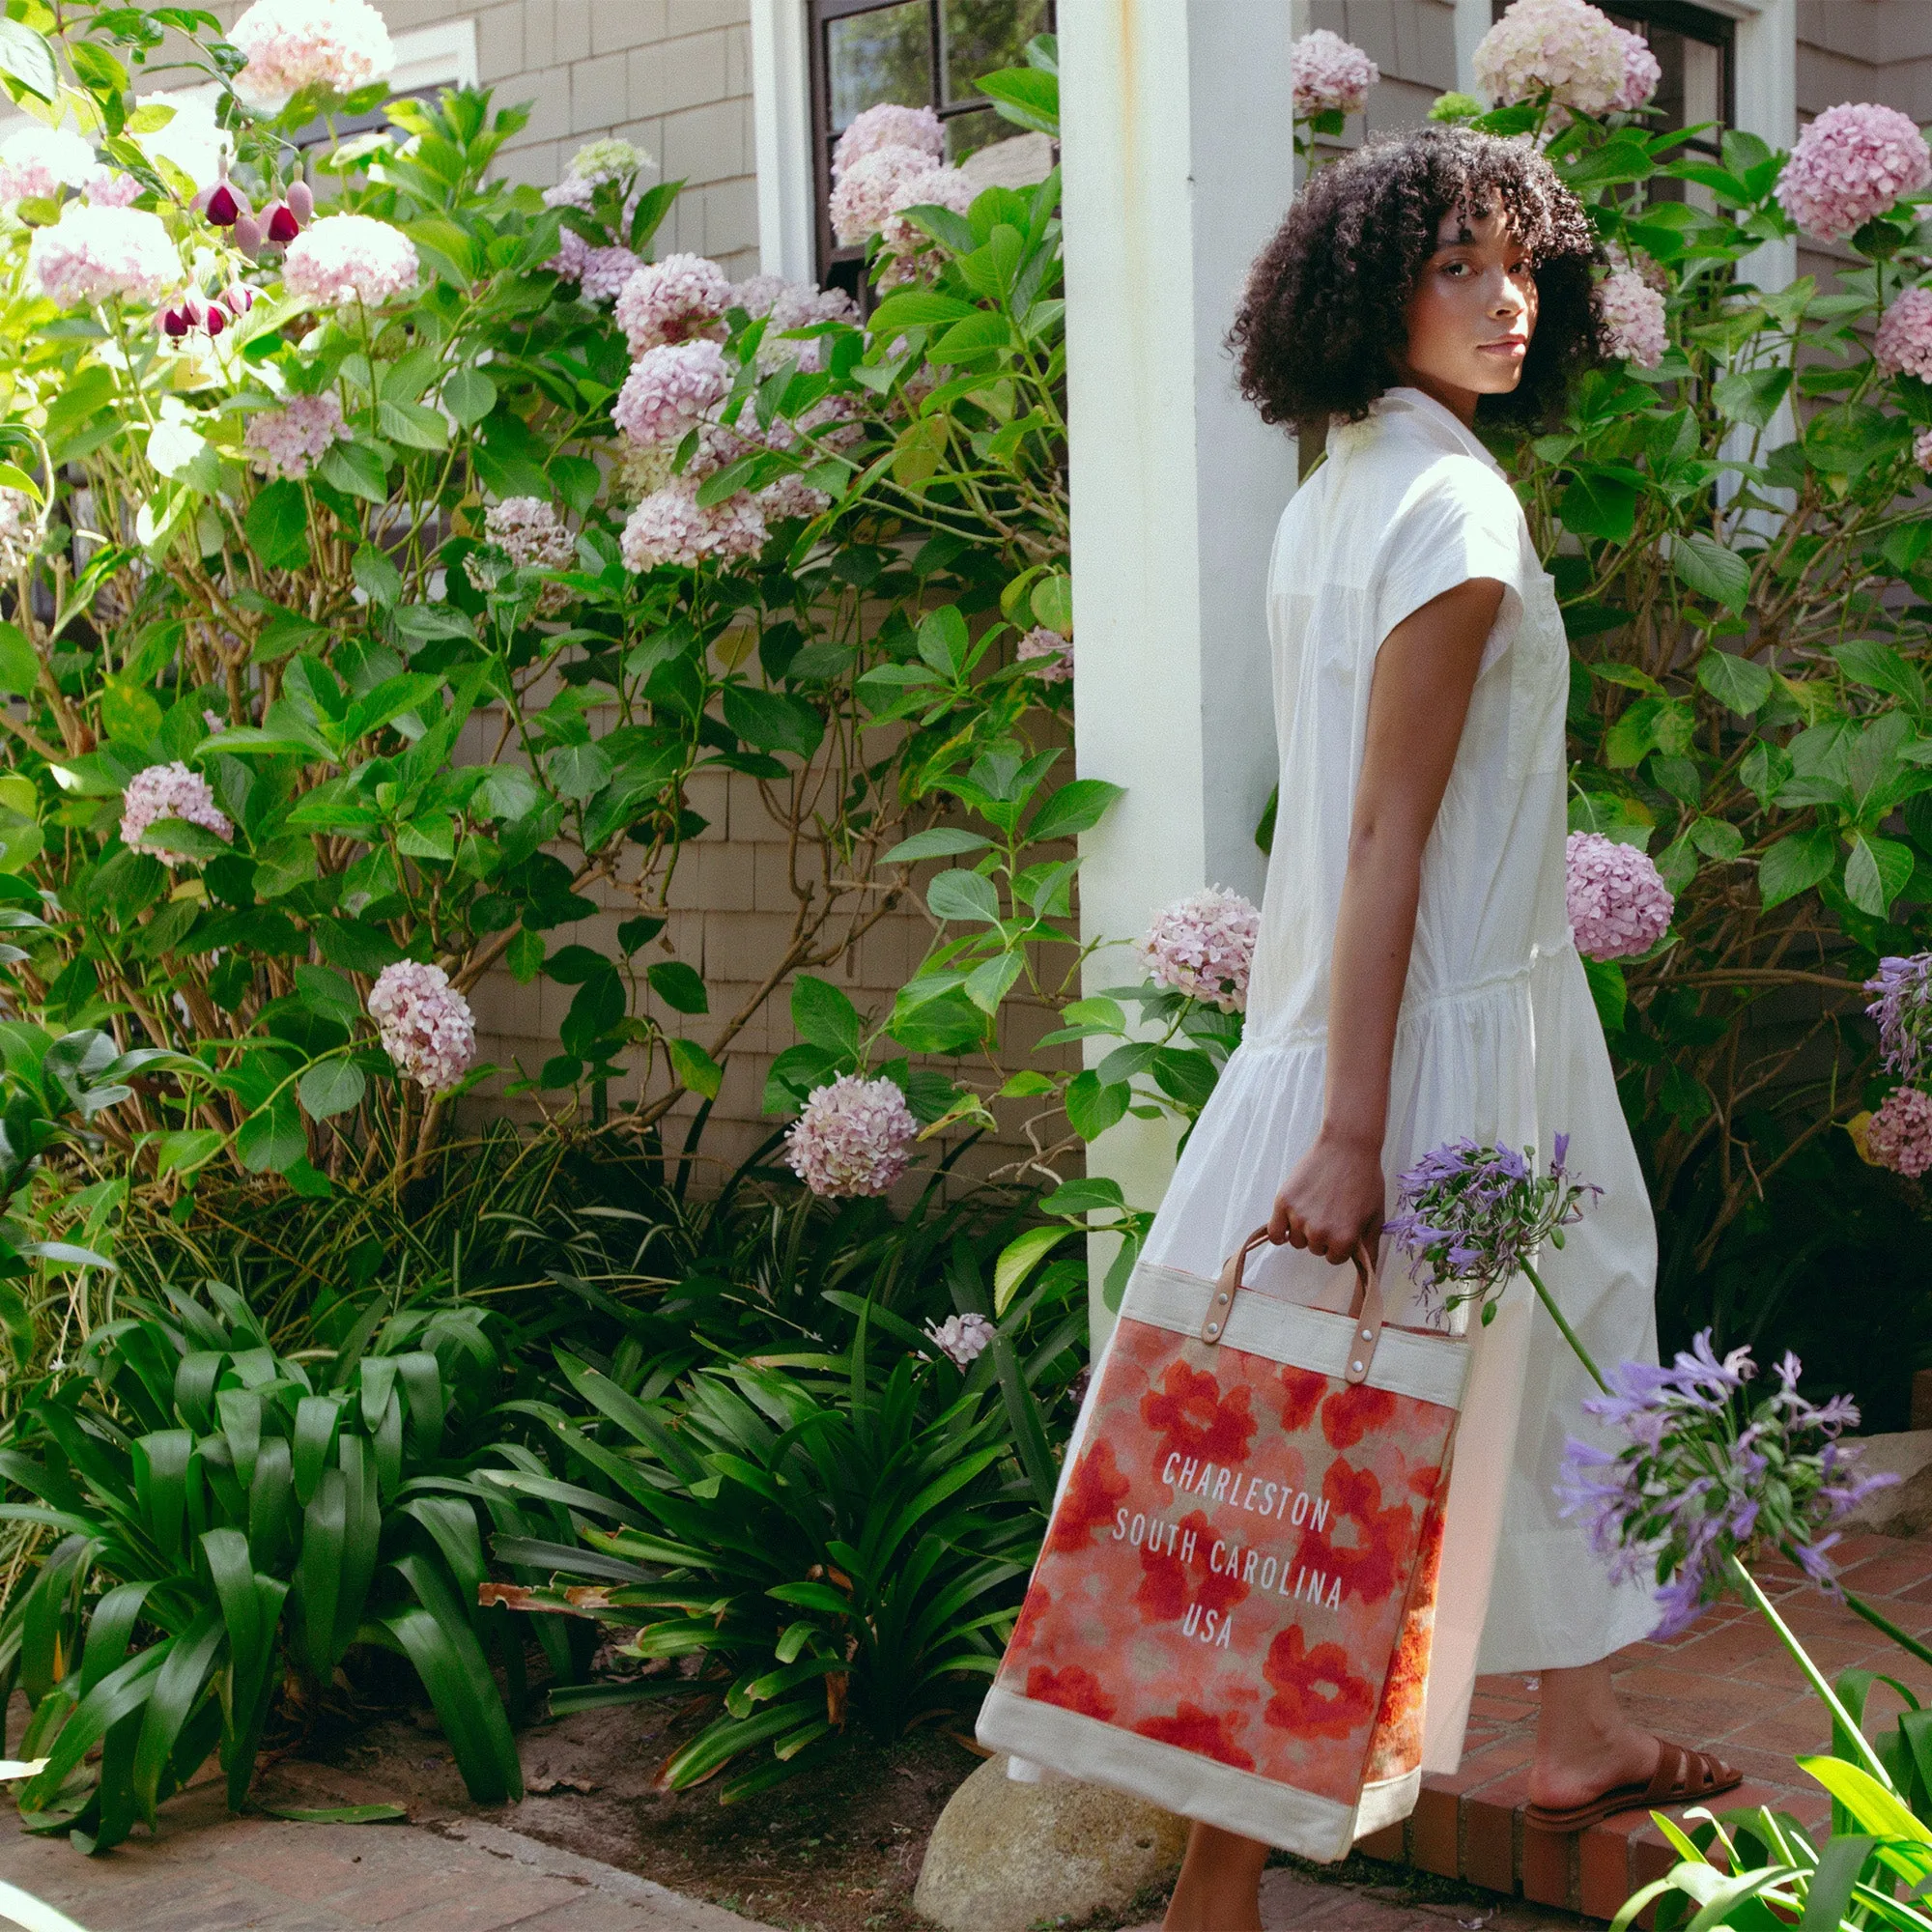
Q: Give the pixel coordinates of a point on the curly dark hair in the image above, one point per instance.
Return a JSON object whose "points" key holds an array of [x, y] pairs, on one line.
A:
{"points": [[1321, 329]]}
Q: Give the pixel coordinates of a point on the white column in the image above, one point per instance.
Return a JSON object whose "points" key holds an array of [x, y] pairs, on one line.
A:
{"points": [[1766, 78], [782, 137], [1179, 166]]}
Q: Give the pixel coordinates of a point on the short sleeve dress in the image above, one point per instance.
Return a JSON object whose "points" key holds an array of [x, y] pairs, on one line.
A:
{"points": [[1498, 1037]]}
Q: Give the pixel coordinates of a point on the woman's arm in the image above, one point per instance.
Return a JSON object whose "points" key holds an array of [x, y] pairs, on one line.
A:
{"points": [[1423, 674]]}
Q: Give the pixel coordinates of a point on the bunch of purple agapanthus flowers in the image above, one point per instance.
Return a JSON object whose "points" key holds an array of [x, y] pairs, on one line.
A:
{"points": [[1703, 1474], [1475, 1217]]}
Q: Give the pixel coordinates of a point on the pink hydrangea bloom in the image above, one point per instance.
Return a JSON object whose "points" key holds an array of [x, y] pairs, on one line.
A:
{"points": [[596, 162], [169, 792], [1634, 319], [94, 254], [786, 305], [853, 1137], [1565, 48], [670, 389], [425, 1024], [572, 257], [37, 162], [1921, 449], [792, 497], [105, 187], [1202, 947], [889, 126], [349, 258], [1642, 75], [1904, 341], [1049, 653], [338, 45], [1331, 77], [290, 441], [1851, 164], [961, 1338], [1899, 1135], [1616, 899], [531, 533], [605, 273], [669, 526], [934, 187], [671, 301], [867, 195]]}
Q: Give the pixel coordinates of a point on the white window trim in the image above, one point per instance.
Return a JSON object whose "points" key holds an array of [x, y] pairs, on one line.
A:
{"points": [[782, 137]]}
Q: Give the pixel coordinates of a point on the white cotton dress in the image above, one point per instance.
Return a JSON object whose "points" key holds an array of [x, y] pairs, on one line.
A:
{"points": [[1498, 1037]]}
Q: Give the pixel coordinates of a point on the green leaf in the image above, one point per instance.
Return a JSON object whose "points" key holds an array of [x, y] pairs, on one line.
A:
{"points": [[772, 720], [1026, 96], [1877, 1809], [1091, 1108], [1878, 871], [20, 666], [963, 895], [1706, 566], [327, 994], [1717, 838], [356, 468], [1595, 505], [942, 841], [578, 771], [695, 1068], [1018, 1259], [1608, 990], [272, 1140], [824, 1017], [1751, 396], [1795, 865], [331, 1087], [1074, 808], [678, 987], [1738, 683], [337, 1814], [29, 59], [1053, 603], [277, 525]]}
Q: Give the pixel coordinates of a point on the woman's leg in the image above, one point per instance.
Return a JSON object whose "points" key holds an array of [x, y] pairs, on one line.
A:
{"points": [[1585, 1744], [1219, 1888]]}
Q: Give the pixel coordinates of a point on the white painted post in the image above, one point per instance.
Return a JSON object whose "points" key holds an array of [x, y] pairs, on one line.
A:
{"points": [[782, 137], [1179, 158]]}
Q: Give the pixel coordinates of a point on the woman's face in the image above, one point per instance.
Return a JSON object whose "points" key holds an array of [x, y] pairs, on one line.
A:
{"points": [[1472, 312]]}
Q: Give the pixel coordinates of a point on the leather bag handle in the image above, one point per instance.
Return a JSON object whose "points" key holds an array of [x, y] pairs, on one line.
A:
{"points": [[1366, 1311]]}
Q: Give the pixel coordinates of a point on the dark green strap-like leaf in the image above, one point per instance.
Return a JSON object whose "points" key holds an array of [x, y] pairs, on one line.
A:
{"points": [[110, 1631], [317, 1417], [1829, 1896], [162, 1475], [183, 1681], [361, 1534], [319, 1575]]}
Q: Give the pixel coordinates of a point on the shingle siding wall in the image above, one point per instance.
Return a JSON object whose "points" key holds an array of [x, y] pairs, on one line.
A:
{"points": [[1412, 41]]}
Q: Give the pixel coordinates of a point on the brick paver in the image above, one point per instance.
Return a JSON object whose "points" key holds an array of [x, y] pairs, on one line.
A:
{"points": [[209, 1872], [1727, 1685], [1292, 1903]]}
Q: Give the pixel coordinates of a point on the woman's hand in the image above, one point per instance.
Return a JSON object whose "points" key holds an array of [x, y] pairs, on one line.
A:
{"points": [[1332, 1203]]}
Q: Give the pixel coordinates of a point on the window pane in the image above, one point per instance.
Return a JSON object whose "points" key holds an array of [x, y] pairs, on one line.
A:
{"points": [[884, 55], [1002, 155], [981, 34]]}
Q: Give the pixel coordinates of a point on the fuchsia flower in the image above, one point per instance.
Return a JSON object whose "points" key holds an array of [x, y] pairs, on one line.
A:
{"points": [[853, 1137], [961, 1338], [1851, 164], [1331, 77], [346, 259], [170, 791], [290, 441], [889, 126], [670, 526], [1563, 48], [335, 45], [671, 301], [97, 255], [1903, 345], [425, 1024], [1202, 947], [1899, 1135], [1049, 653], [1616, 899], [1702, 1472], [669, 390], [1634, 318]]}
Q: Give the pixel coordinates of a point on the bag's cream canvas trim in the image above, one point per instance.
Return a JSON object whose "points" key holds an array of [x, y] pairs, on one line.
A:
{"points": [[1175, 1780], [1431, 1368]]}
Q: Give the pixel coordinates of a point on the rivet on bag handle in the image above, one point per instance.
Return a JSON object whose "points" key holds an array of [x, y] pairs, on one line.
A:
{"points": [[1367, 1312]]}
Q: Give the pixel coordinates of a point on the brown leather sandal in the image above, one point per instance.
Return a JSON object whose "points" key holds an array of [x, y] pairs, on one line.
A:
{"points": [[1682, 1778]]}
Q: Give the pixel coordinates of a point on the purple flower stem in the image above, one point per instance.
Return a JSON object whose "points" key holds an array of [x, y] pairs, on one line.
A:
{"points": [[1748, 1585], [1569, 1333]]}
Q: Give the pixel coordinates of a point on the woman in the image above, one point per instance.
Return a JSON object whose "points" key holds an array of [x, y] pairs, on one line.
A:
{"points": [[1416, 980]]}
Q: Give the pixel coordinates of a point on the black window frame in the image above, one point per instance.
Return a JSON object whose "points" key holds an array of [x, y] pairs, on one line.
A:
{"points": [[827, 252]]}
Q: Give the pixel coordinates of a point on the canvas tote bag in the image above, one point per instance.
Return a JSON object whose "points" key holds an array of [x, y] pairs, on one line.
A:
{"points": [[1231, 1614]]}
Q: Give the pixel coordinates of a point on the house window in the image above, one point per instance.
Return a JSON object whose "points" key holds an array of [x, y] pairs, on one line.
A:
{"points": [[1697, 51], [917, 53]]}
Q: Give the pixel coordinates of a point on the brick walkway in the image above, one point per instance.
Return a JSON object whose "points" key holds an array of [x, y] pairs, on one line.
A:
{"points": [[1727, 1685]]}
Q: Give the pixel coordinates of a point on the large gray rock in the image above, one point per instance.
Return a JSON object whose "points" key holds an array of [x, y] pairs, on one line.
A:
{"points": [[1005, 1855]]}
